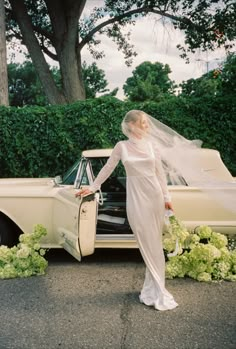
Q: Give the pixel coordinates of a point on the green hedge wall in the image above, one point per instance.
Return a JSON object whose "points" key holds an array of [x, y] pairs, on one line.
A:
{"points": [[45, 141]]}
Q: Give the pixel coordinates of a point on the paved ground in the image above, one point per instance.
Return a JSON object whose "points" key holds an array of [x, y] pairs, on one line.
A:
{"points": [[94, 304]]}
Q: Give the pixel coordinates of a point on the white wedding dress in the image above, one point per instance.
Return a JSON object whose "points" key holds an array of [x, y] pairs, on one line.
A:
{"points": [[146, 192]]}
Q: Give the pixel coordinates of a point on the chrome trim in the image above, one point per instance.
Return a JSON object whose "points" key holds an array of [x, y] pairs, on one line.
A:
{"points": [[115, 237]]}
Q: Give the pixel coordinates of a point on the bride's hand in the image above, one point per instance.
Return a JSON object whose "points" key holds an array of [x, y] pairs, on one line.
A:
{"points": [[83, 192], [169, 206]]}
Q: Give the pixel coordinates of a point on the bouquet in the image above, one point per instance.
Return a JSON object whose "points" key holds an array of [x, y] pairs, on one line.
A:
{"points": [[203, 255]]}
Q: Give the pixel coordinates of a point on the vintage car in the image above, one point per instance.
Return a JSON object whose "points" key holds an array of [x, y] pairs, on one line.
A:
{"points": [[99, 220]]}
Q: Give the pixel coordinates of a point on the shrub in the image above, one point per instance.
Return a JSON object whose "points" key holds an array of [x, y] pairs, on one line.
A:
{"points": [[45, 141]]}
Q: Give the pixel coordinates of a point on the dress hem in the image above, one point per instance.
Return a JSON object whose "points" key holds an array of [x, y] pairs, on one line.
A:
{"points": [[163, 307]]}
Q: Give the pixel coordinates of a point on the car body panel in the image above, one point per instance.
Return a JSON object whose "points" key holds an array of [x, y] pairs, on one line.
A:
{"points": [[79, 224], [28, 202]]}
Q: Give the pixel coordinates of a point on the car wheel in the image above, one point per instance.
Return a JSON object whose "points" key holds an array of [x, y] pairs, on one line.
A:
{"points": [[8, 234]]}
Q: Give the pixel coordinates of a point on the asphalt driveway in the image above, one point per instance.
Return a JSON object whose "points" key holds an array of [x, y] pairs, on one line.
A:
{"points": [[94, 304]]}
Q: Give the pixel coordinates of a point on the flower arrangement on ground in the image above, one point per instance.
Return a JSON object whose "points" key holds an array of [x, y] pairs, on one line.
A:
{"points": [[203, 255], [25, 259]]}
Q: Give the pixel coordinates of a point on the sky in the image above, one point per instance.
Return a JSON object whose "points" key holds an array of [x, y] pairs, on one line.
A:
{"points": [[153, 42]]}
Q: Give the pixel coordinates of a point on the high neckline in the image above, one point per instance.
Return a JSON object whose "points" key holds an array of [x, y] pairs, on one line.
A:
{"points": [[136, 140], [139, 142]]}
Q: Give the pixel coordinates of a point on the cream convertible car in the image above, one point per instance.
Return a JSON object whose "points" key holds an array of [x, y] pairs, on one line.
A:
{"points": [[81, 225]]}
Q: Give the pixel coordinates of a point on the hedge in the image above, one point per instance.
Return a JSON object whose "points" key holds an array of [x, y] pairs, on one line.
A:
{"points": [[45, 141]]}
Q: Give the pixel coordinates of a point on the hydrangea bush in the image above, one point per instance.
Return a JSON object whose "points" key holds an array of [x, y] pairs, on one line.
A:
{"points": [[203, 255], [26, 258]]}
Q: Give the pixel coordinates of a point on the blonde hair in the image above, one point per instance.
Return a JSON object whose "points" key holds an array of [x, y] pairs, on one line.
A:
{"points": [[131, 116]]}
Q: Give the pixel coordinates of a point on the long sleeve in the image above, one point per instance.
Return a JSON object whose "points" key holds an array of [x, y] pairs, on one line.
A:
{"points": [[161, 176], [107, 169]]}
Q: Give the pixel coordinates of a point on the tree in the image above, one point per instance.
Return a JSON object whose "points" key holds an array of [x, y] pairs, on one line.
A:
{"points": [[217, 82], [228, 76], [150, 81], [205, 85], [56, 28], [25, 87], [94, 80], [3, 58]]}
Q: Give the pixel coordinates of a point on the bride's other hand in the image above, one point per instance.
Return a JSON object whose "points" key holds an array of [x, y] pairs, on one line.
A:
{"points": [[83, 192]]}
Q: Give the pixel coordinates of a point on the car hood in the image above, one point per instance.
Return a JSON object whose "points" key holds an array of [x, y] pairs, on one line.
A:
{"points": [[25, 182]]}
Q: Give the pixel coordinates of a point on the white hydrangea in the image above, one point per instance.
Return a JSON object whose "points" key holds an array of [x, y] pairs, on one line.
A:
{"points": [[26, 258], [23, 252], [204, 255]]}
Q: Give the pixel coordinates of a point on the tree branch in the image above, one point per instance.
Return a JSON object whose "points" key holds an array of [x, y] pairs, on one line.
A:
{"points": [[89, 36], [36, 29], [64, 19], [49, 53], [43, 32]]}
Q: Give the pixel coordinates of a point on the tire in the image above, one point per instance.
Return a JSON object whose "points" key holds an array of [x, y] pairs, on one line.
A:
{"points": [[8, 234]]}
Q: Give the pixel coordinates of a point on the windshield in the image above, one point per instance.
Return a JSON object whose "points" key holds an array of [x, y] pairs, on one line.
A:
{"points": [[96, 164], [70, 175], [120, 175]]}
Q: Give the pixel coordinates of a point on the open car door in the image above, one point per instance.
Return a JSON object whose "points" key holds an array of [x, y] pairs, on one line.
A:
{"points": [[75, 221]]}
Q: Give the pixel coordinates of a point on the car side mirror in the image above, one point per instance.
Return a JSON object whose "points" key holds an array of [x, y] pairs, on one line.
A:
{"points": [[57, 180]]}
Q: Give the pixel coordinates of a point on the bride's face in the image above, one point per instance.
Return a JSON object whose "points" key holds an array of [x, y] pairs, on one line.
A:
{"points": [[143, 123], [140, 127]]}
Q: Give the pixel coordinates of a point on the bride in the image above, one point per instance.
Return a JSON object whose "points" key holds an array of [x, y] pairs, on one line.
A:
{"points": [[147, 199]]}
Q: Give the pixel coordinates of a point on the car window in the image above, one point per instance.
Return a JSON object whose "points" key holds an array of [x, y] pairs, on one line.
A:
{"points": [[69, 177], [84, 173], [96, 165], [84, 179], [116, 182]]}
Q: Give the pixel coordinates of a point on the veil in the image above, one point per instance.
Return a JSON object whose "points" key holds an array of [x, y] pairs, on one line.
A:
{"points": [[183, 159]]}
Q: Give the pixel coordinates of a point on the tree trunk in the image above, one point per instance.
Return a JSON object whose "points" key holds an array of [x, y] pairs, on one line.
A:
{"points": [[3, 58], [71, 72], [31, 42], [64, 19]]}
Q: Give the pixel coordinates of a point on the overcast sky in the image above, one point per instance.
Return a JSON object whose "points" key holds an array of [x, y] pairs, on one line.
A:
{"points": [[153, 42]]}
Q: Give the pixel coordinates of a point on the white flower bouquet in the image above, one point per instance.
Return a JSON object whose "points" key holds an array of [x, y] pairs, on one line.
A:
{"points": [[26, 258], [203, 255]]}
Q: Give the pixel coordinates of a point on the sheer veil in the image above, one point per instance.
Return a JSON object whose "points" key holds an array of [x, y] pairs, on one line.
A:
{"points": [[183, 159]]}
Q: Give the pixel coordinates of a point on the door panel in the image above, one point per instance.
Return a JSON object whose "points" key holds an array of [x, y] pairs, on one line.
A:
{"points": [[74, 221], [87, 224]]}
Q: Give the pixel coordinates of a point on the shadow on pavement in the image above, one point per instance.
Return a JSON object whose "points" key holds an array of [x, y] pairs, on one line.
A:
{"points": [[100, 255]]}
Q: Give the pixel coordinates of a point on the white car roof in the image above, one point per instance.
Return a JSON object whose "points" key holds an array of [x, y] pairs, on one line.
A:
{"points": [[209, 160], [97, 153]]}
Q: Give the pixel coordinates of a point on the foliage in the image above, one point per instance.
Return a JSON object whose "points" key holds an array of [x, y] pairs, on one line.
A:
{"points": [[203, 255], [46, 141], [205, 85], [228, 76], [217, 82], [94, 80], [51, 28], [150, 81], [25, 87], [25, 259], [211, 102]]}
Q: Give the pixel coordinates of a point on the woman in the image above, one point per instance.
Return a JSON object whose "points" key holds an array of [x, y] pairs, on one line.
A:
{"points": [[147, 199]]}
